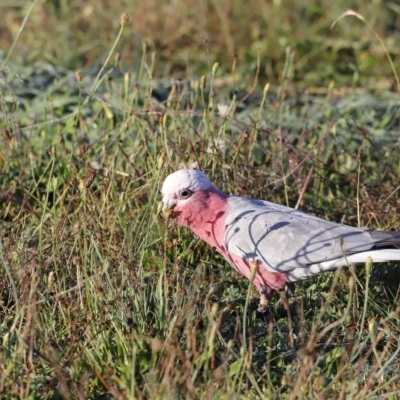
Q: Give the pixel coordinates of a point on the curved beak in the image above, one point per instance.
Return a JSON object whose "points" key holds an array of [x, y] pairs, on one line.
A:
{"points": [[168, 206]]}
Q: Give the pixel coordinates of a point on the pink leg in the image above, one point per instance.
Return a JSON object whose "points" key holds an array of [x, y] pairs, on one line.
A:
{"points": [[266, 294]]}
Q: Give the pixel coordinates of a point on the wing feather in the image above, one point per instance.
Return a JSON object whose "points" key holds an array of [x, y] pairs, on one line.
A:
{"points": [[284, 239]]}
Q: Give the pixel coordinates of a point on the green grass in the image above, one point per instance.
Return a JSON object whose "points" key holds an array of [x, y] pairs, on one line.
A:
{"points": [[100, 297]]}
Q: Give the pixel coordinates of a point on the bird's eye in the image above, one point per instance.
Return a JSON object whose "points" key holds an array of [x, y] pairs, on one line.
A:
{"points": [[185, 193]]}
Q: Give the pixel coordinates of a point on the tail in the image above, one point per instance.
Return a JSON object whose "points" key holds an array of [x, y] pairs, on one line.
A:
{"points": [[386, 239], [377, 255]]}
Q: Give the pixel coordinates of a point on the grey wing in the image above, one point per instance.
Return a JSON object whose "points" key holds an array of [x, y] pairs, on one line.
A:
{"points": [[284, 239]]}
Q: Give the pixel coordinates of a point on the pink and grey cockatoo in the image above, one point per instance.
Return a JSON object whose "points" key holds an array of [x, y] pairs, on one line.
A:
{"points": [[282, 245]]}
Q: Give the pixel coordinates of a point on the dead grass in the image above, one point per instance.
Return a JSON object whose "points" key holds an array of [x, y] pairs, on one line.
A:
{"points": [[99, 297]]}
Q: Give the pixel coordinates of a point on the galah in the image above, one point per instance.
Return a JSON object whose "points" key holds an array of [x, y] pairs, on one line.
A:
{"points": [[270, 243]]}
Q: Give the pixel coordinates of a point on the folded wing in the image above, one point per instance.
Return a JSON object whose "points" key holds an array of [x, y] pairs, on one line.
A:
{"points": [[284, 239]]}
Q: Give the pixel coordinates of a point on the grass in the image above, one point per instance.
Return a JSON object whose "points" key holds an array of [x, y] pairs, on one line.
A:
{"points": [[100, 297]]}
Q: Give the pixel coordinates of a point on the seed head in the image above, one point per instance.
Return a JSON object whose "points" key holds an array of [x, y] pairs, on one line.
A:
{"points": [[124, 19], [127, 78], [78, 75], [371, 326], [89, 181], [214, 309], [214, 68]]}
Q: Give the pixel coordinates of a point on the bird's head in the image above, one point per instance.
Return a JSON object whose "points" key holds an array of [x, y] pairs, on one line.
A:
{"points": [[179, 187]]}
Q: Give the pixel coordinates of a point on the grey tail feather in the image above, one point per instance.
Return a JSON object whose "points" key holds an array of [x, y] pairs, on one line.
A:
{"points": [[386, 239]]}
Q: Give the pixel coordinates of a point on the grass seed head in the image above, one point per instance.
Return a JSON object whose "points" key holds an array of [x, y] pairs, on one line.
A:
{"points": [[89, 181], [78, 75], [124, 19]]}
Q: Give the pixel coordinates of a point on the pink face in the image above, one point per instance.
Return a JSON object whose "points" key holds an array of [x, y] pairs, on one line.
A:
{"points": [[182, 191]]}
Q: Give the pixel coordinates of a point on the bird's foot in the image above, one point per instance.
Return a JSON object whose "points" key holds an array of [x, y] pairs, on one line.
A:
{"points": [[262, 307], [266, 294]]}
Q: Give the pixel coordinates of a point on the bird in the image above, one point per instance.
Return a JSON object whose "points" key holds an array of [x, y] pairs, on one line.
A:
{"points": [[272, 245]]}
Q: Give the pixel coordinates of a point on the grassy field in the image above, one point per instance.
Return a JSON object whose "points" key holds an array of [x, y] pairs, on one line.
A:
{"points": [[100, 297]]}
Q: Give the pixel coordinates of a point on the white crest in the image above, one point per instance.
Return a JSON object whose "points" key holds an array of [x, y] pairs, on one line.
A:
{"points": [[192, 179]]}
